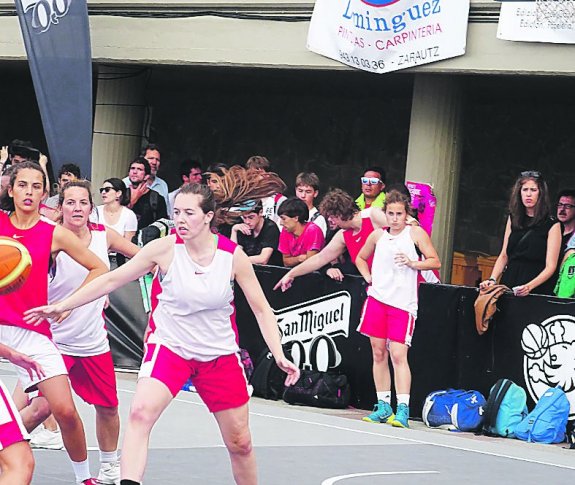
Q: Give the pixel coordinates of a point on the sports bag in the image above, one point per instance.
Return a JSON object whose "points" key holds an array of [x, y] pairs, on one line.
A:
{"points": [[547, 423], [319, 389], [486, 306], [505, 409], [247, 363], [268, 379], [454, 409]]}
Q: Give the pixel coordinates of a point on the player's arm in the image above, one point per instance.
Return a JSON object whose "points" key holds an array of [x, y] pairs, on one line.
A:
{"points": [[22, 360], [423, 241], [119, 244]]}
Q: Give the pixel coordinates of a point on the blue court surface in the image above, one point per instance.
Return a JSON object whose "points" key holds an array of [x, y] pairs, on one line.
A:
{"points": [[308, 446]]}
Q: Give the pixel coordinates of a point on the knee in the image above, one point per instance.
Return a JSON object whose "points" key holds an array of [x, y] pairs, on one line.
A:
{"points": [[40, 409], [66, 414], [398, 357], [107, 412], [380, 355], [240, 443], [142, 414]]}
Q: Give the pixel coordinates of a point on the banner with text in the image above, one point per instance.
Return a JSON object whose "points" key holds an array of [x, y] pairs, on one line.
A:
{"points": [[552, 21], [388, 35], [57, 39]]}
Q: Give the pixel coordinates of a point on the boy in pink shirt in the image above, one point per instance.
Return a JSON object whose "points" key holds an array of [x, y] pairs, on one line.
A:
{"points": [[299, 239]]}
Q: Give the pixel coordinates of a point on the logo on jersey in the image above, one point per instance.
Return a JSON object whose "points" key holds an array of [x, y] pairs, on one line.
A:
{"points": [[549, 357], [17, 236], [311, 327]]}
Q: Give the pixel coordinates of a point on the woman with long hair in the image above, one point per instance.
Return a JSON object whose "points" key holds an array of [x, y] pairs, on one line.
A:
{"points": [[114, 212], [532, 240], [192, 331], [44, 241], [389, 313]]}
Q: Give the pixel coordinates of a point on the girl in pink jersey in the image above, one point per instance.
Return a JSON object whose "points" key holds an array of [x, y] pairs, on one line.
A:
{"points": [[44, 241], [192, 332], [389, 313]]}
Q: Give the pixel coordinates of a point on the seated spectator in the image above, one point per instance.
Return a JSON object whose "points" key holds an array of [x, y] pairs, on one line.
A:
{"points": [[257, 235], [190, 172], [372, 186], [566, 215], [114, 212], [565, 287], [307, 189], [270, 204], [299, 239]]}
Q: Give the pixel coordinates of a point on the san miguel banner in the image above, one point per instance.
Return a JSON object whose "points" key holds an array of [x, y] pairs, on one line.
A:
{"points": [[57, 39], [388, 35], [550, 21]]}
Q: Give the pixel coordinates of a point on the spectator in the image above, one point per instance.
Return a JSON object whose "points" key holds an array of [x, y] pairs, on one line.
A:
{"points": [[151, 153], [270, 204], [532, 240], [566, 215], [114, 212], [257, 235], [5, 177], [565, 287], [190, 172], [372, 186], [307, 189], [22, 151], [147, 204], [299, 239], [67, 173], [214, 174]]}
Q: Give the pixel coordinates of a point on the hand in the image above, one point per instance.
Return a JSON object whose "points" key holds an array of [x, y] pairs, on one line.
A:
{"points": [[402, 260], [137, 192], [35, 316], [22, 360], [367, 279], [335, 274], [106, 302], [486, 284], [285, 283], [522, 290], [288, 366], [63, 316], [243, 228], [3, 155], [43, 160], [302, 257]]}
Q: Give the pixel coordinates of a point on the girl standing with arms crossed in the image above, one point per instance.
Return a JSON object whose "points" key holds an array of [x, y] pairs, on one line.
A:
{"points": [[44, 241], [191, 331], [389, 313]]}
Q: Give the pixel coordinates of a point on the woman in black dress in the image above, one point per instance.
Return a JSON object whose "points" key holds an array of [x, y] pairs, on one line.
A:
{"points": [[532, 240]]}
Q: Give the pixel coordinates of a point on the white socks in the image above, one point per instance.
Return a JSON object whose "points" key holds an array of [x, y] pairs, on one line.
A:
{"points": [[384, 396], [108, 456], [403, 399], [81, 470]]}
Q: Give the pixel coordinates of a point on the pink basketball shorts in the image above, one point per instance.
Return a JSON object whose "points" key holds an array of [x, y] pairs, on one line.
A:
{"points": [[386, 322], [11, 428], [221, 383], [93, 378]]}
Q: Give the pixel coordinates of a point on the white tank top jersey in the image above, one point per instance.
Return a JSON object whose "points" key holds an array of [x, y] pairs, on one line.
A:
{"points": [[392, 284], [83, 333], [194, 309]]}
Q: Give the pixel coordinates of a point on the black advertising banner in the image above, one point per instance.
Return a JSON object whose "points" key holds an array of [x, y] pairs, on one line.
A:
{"points": [[57, 39]]}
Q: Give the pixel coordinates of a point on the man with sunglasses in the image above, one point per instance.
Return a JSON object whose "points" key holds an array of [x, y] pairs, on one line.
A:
{"points": [[372, 186], [566, 215]]}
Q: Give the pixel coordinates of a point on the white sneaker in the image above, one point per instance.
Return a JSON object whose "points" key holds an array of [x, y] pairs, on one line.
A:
{"points": [[109, 473], [44, 438]]}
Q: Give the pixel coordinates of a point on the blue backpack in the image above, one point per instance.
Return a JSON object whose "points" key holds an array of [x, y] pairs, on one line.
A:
{"points": [[547, 423], [454, 408], [505, 409]]}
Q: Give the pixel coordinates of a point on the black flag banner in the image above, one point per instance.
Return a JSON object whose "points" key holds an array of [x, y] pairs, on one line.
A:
{"points": [[57, 39]]}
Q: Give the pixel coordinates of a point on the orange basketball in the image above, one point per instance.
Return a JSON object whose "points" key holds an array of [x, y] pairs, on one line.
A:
{"points": [[15, 264]]}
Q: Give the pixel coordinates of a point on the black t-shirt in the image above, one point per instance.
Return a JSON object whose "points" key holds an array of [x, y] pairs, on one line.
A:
{"points": [[144, 208], [268, 237]]}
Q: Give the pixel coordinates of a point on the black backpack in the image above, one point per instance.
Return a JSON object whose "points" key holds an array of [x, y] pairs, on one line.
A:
{"points": [[268, 379], [319, 389]]}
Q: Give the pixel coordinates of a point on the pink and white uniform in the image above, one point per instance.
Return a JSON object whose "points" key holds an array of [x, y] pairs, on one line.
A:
{"points": [[12, 429], [355, 241]]}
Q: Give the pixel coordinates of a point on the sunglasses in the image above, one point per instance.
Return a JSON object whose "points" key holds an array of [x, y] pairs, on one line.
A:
{"points": [[370, 180], [565, 206], [105, 190], [531, 173]]}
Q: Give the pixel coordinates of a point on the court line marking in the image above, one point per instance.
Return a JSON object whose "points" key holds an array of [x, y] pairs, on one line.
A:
{"points": [[332, 480], [411, 440]]}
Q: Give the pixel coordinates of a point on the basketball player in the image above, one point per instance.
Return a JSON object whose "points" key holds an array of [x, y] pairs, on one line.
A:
{"points": [[16, 460], [44, 241], [389, 313], [192, 331]]}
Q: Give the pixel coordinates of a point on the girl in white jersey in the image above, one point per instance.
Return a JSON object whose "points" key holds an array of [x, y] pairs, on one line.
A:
{"points": [[389, 313], [192, 331], [82, 337], [44, 241]]}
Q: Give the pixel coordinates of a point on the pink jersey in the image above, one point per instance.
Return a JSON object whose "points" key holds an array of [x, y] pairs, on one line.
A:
{"points": [[193, 312], [354, 242], [34, 292], [311, 239]]}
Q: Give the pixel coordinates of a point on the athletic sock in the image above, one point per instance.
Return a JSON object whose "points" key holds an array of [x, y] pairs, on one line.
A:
{"points": [[108, 456], [128, 482], [81, 470], [384, 396], [403, 399]]}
